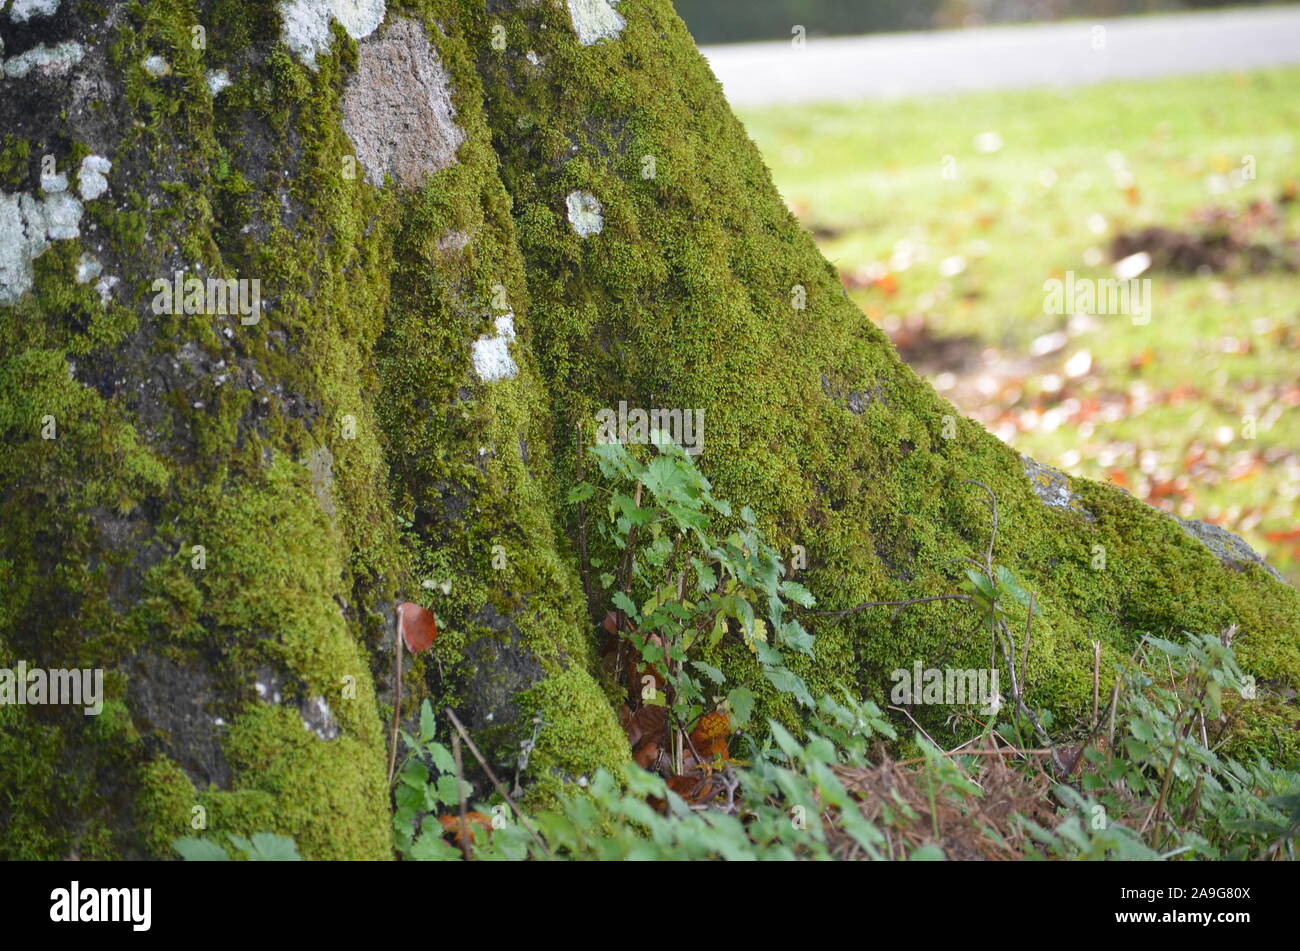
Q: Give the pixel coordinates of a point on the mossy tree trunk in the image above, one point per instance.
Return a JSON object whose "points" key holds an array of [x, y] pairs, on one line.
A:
{"points": [[473, 226]]}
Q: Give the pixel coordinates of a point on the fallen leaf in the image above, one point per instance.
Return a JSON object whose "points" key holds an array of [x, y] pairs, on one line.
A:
{"points": [[418, 626], [475, 822], [710, 735]]}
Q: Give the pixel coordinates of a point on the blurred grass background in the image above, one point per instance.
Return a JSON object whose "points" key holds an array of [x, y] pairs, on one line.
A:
{"points": [[712, 21], [946, 215]]}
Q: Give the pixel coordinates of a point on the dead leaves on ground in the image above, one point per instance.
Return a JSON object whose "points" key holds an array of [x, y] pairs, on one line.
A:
{"points": [[645, 721], [899, 799]]}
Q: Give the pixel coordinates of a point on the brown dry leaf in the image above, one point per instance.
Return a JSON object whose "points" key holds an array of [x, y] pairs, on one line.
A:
{"points": [[418, 626], [474, 821], [647, 721], [646, 753], [710, 735]]}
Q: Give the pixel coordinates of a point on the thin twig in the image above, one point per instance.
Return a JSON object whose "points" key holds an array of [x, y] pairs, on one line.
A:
{"points": [[582, 521], [460, 788], [907, 714], [1000, 751], [397, 696], [455, 721], [1029, 620], [629, 559], [1096, 680], [993, 535]]}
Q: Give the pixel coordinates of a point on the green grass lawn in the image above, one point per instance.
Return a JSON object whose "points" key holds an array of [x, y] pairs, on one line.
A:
{"points": [[947, 215]]}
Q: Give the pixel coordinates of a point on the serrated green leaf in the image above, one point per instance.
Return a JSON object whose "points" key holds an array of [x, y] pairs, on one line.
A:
{"points": [[199, 850], [713, 673]]}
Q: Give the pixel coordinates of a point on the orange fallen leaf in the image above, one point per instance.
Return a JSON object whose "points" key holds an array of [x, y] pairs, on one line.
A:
{"points": [[418, 626], [710, 735], [474, 821]]}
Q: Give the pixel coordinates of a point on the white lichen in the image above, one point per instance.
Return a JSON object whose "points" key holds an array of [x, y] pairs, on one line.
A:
{"points": [[91, 182], [319, 719], [585, 213], [492, 360], [24, 10], [27, 226], [47, 60], [306, 23], [52, 182], [62, 217], [104, 288], [88, 269], [218, 79], [156, 66], [595, 20]]}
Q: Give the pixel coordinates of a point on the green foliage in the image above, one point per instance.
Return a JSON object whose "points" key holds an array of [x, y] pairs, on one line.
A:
{"points": [[1161, 790], [779, 797], [261, 847], [425, 783], [684, 589]]}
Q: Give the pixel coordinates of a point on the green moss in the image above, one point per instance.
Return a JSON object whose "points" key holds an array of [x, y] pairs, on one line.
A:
{"points": [[15, 155], [685, 300], [328, 795], [176, 432], [579, 732], [164, 806]]}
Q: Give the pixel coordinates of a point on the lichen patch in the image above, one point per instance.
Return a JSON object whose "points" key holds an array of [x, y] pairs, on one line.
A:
{"points": [[492, 360], [27, 226], [88, 268], [24, 10], [52, 182], [218, 79], [397, 108], [595, 20], [1053, 488], [91, 182], [585, 213], [306, 23], [46, 60]]}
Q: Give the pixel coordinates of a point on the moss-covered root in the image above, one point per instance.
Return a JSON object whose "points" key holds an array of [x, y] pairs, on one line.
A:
{"points": [[220, 504], [665, 271]]}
